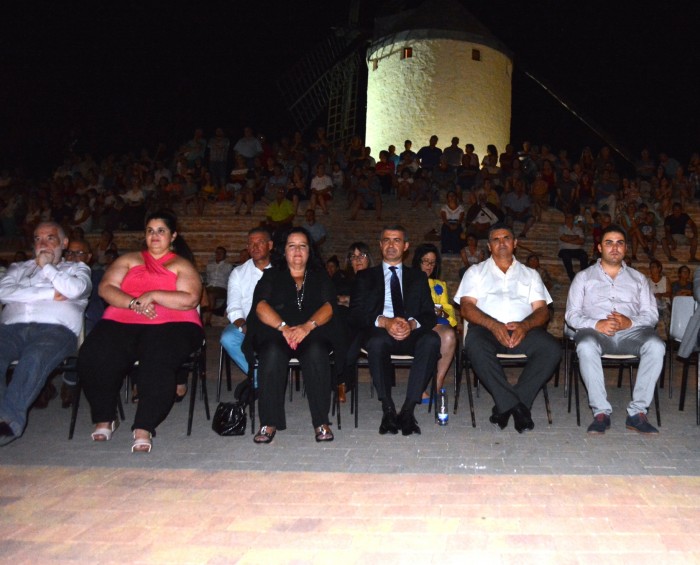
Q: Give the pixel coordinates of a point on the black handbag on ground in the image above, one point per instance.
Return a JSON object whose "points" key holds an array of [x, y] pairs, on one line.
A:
{"points": [[229, 419]]}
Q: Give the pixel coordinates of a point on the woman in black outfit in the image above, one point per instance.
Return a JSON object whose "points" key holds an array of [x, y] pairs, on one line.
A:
{"points": [[292, 308]]}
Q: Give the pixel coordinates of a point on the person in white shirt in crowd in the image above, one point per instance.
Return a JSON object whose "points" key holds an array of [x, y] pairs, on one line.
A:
{"points": [[44, 300], [218, 272], [317, 231], [241, 285]]}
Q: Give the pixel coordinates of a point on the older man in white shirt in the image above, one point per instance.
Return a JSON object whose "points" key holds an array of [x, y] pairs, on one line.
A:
{"points": [[505, 303], [241, 285], [44, 300]]}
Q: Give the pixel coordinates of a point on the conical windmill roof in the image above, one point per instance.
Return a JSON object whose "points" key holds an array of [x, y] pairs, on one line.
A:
{"points": [[447, 19]]}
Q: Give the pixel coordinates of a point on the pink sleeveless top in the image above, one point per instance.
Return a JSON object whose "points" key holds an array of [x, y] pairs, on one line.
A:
{"points": [[152, 275]]}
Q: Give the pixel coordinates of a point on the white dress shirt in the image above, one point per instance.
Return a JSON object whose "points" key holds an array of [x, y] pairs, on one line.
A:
{"points": [[507, 297], [28, 293], [218, 273], [241, 285]]}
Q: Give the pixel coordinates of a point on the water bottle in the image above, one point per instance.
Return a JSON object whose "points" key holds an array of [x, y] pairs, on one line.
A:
{"points": [[442, 408]]}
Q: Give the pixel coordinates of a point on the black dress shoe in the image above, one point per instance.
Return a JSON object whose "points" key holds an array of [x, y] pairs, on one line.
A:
{"points": [[522, 418], [6, 434], [408, 424], [500, 420], [389, 424]]}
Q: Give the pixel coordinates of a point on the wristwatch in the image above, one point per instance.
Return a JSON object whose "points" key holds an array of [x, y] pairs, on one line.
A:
{"points": [[282, 324]]}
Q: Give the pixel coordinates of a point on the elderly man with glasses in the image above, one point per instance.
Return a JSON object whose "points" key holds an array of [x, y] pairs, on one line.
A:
{"points": [[44, 300]]}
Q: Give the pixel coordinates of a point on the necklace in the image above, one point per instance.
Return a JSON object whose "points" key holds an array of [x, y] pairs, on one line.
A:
{"points": [[300, 292]]}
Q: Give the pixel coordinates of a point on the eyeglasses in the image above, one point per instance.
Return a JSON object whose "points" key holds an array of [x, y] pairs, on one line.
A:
{"points": [[75, 253], [358, 257], [427, 262]]}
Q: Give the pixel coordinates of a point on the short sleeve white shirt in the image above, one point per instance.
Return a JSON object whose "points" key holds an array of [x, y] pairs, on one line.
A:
{"points": [[507, 297]]}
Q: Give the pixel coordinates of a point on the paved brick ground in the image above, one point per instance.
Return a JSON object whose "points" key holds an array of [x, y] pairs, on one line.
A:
{"points": [[450, 495]]}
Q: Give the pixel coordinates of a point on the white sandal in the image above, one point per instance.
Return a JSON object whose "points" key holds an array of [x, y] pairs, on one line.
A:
{"points": [[142, 444], [104, 432]]}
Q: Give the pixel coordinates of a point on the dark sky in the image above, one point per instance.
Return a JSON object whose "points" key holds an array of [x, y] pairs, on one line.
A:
{"points": [[129, 74]]}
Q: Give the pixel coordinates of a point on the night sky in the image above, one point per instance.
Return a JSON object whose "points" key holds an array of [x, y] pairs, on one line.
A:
{"points": [[130, 74]]}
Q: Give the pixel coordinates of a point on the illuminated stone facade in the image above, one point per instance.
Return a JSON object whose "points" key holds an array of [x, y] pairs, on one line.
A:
{"points": [[450, 85]]}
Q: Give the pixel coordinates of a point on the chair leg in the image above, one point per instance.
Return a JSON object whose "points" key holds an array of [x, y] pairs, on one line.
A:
{"points": [[684, 386], [77, 392], [619, 376], [468, 384], [578, 407], [458, 383], [203, 381], [656, 405], [193, 398], [546, 403], [335, 399], [221, 370]]}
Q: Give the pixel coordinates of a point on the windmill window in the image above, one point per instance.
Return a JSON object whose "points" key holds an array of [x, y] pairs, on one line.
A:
{"points": [[407, 53], [476, 55]]}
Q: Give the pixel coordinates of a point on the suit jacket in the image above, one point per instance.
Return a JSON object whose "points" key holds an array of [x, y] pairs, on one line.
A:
{"points": [[367, 298]]}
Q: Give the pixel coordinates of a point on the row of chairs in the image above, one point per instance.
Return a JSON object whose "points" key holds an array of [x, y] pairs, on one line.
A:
{"points": [[623, 363], [682, 310]]}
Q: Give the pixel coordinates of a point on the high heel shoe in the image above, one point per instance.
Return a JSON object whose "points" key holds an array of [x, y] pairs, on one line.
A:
{"points": [[142, 444], [105, 433], [265, 435]]}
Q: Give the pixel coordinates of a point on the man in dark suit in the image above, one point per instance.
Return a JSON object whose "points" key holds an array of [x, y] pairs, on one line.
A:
{"points": [[392, 304]]}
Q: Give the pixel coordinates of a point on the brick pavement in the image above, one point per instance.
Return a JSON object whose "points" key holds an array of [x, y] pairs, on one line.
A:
{"points": [[450, 495]]}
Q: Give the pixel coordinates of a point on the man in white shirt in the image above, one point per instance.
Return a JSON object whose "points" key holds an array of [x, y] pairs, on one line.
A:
{"points": [[44, 302], [505, 303], [241, 285], [613, 310], [218, 272]]}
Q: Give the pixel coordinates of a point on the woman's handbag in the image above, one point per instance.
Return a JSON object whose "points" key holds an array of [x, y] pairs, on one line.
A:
{"points": [[229, 419]]}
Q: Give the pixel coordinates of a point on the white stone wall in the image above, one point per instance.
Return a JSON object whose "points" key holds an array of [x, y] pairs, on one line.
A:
{"points": [[441, 91]]}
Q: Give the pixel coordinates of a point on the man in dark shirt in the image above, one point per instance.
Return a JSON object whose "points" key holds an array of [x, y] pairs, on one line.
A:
{"points": [[675, 226]]}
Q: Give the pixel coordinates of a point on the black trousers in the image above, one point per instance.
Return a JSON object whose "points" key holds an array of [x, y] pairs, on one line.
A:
{"points": [[424, 345], [543, 355], [274, 355], [568, 255], [109, 353]]}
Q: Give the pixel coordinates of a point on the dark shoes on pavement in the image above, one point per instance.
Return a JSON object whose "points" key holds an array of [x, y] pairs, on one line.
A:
{"points": [[6, 433], [408, 424], [522, 419], [389, 423], [500, 420], [601, 422], [639, 423]]}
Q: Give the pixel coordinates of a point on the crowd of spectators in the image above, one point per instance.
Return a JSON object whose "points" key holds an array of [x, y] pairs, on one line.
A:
{"points": [[468, 192]]}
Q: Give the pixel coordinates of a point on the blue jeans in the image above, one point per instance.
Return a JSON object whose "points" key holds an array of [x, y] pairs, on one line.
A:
{"points": [[232, 340], [38, 349]]}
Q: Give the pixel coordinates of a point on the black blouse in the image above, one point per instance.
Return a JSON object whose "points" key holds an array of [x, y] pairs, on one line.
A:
{"points": [[278, 289]]}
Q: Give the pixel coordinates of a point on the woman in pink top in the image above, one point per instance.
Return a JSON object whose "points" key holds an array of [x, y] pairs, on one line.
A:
{"points": [[151, 318]]}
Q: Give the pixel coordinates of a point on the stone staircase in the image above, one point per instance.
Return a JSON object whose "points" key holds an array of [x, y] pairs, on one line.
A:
{"points": [[219, 226]]}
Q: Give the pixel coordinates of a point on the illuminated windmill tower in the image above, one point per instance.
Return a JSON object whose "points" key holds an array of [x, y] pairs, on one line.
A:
{"points": [[437, 70]]}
